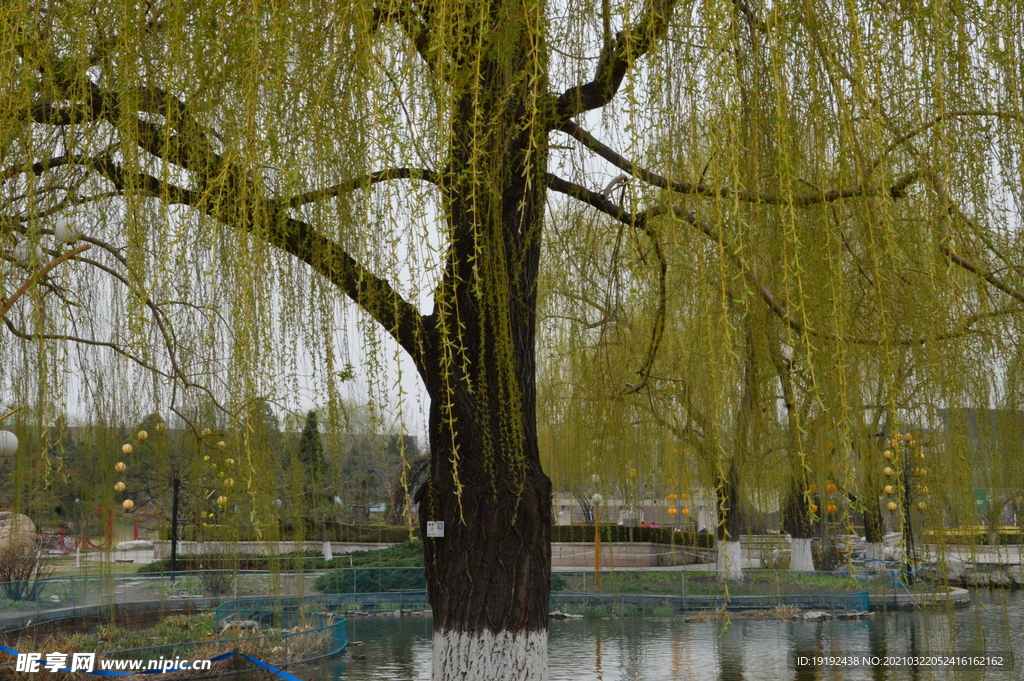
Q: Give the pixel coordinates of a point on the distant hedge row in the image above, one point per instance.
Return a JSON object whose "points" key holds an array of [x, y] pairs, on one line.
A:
{"points": [[385, 534], [406, 554], [389, 534]]}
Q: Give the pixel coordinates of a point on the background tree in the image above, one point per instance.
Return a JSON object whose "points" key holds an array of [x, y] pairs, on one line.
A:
{"points": [[310, 484]]}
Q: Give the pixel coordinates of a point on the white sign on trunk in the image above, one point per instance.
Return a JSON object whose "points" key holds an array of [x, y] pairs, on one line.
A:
{"points": [[435, 528]]}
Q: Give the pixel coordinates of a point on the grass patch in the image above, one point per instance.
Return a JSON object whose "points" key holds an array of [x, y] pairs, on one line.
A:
{"points": [[692, 583]]}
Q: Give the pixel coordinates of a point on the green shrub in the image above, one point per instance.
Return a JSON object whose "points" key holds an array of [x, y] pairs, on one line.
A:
{"points": [[620, 533], [371, 580]]}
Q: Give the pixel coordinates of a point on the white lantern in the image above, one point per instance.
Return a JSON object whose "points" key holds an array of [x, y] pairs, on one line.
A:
{"points": [[8, 443], [66, 232]]}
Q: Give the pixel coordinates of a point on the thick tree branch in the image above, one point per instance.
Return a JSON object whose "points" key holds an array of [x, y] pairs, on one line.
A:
{"points": [[268, 221], [896, 190], [629, 45]]}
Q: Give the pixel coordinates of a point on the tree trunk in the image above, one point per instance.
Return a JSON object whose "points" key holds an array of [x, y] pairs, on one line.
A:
{"points": [[488, 577], [796, 522], [730, 525]]}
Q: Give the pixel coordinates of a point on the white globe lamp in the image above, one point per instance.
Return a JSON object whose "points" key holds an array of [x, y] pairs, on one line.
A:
{"points": [[8, 443], [65, 231]]}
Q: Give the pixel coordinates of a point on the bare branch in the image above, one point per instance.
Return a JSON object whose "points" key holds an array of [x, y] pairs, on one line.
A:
{"points": [[24, 335], [360, 182], [639, 221], [939, 187], [7, 304], [600, 202]]}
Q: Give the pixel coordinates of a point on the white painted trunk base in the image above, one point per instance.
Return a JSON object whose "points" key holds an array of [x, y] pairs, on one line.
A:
{"points": [[800, 557], [730, 559], [328, 553], [873, 551], [490, 656]]}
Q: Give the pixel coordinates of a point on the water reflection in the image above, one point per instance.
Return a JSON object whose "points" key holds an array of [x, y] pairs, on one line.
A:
{"points": [[748, 650]]}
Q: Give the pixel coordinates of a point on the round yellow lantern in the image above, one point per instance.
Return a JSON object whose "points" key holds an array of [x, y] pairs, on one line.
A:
{"points": [[206, 458], [222, 501], [921, 506], [207, 432], [128, 504], [891, 506], [672, 496], [120, 467], [230, 462], [684, 496], [887, 470], [127, 449], [686, 510], [672, 510], [830, 487], [831, 508], [888, 489], [161, 427], [119, 486], [222, 445], [142, 435], [229, 482], [814, 508], [887, 454]]}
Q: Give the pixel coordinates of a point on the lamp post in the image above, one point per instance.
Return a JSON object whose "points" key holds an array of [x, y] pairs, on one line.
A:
{"points": [[905, 450], [596, 500]]}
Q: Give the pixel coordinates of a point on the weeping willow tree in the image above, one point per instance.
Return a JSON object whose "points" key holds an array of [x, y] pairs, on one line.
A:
{"points": [[817, 198], [814, 247]]}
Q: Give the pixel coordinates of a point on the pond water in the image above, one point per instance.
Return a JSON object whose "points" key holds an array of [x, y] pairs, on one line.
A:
{"points": [[650, 649]]}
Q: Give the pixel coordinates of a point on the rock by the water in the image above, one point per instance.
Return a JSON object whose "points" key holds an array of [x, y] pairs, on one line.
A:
{"points": [[559, 615]]}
